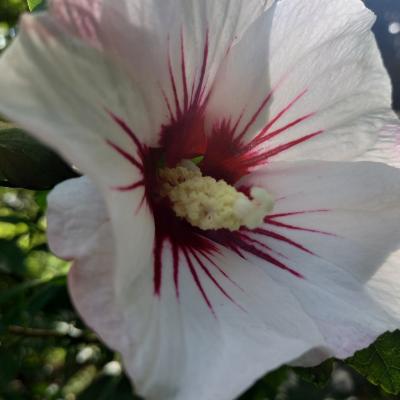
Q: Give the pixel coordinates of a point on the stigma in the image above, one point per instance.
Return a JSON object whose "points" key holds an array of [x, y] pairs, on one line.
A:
{"points": [[209, 204]]}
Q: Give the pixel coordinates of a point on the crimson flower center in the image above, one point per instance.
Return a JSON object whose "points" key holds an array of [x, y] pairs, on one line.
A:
{"points": [[211, 204]]}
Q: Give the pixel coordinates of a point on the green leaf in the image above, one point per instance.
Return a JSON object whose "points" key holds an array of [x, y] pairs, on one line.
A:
{"points": [[8, 366], [33, 4], [380, 362], [17, 290], [26, 163], [41, 199], [197, 160], [108, 388], [12, 258], [318, 376], [267, 387], [14, 219]]}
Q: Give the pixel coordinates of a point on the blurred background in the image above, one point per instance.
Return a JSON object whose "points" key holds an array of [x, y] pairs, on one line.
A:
{"points": [[47, 353], [387, 31]]}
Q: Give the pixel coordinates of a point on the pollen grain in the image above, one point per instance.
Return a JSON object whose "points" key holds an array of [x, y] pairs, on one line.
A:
{"points": [[210, 204]]}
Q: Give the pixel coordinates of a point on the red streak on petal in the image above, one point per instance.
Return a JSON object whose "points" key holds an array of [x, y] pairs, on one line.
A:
{"points": [[125, 155], [255, 116], [280, 149], [297, 228], [184, 74], [124, 126], [234, 128], [193, 89], [213, 263], [289, 214], [223, 156], [264, 245], [190, 244], [235, 240], [263, 157], [142, 152], [175, 257], [165, 97], [282, 238], [142, 201], [196, 99], [270, 219], [174, 88], [267, 257], [131, 187], [197, 280], [157, 253], [210, 276], [265, 138], [252, 249], [184, 137], [228, 158], [282, 113]]}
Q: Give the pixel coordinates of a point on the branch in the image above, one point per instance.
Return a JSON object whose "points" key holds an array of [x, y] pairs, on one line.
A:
{"points": [[31, 332], [47, 333]]}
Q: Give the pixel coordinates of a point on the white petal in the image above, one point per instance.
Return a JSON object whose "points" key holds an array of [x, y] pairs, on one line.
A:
{"points": [[249, 317], [384, 285], [79, 230], [387, 148], [75, 212], [63, 92], [181, 34], [177, 348], [243, 82], [71, 96], [186, 349], [335, 224], [315, 67]]}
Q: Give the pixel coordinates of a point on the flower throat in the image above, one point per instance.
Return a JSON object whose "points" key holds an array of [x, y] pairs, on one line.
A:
{"points": [[209, 204]]}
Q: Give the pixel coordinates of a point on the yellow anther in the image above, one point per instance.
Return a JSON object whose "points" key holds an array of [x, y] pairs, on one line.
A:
{"points": [[210, 204], [172, 177]]}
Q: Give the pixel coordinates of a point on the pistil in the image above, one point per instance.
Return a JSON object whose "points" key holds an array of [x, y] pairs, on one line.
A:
{"points": [[210, 204]]}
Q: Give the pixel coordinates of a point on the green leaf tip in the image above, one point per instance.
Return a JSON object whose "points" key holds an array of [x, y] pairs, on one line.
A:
{"points": [[197, 160], [34, 4]]}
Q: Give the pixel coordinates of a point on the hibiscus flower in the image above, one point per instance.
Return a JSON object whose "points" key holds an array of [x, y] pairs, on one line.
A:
{"points": [[220, 230]]}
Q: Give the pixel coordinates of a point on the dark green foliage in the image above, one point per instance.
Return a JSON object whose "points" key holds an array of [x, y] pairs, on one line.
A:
{"points": [[46, 352], [318, 376], [24, 162], [12, 259], [380, 363], [10, 10], [268, 387], [108, 388]]}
